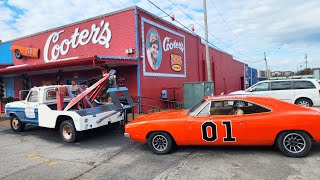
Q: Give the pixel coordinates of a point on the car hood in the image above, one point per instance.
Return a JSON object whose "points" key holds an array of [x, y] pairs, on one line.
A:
{"points": [[171, 114], [15, 104]]}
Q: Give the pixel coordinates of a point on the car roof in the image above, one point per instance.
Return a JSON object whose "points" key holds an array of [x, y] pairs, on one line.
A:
{"points": [[47, 87], [288, 79], [236, 97]]}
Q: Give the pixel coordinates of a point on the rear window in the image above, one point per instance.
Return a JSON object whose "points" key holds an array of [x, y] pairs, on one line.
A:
{"points": [[281, 85], [303, 85]]}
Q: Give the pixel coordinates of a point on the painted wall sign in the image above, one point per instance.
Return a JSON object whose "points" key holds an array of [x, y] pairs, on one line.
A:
{"points": [[176, 62], [163, 50], [21, 51], [100, 34]]}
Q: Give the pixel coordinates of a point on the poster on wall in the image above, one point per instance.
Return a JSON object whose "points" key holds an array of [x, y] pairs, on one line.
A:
{"points": [[163, 51]]}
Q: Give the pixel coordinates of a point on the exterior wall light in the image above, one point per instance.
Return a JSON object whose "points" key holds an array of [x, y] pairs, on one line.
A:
{"points": [[129, 51]]}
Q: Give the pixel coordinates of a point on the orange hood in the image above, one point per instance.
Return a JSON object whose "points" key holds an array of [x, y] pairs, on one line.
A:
{"points": [[171, 114]]}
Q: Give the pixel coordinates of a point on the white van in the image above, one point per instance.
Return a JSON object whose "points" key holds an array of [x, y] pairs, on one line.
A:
{"points": [[303, 92]]}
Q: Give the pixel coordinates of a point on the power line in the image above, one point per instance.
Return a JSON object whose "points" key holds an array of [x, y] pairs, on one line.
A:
{"points": [[223, 19], [122, 3], [208, 32]]}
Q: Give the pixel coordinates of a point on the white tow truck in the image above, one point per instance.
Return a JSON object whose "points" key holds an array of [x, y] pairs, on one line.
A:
{"points": [[58, 106]]}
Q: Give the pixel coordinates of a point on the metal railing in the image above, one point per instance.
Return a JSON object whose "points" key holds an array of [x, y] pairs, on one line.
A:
{"points": [[170, 104]]}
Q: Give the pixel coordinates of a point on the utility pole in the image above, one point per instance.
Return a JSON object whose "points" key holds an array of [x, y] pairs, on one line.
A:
{"points": [[209, 76], [306, 57], [268, 73]]}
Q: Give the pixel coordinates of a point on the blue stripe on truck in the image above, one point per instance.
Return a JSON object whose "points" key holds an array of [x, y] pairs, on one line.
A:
{"points": [[20, 113]]}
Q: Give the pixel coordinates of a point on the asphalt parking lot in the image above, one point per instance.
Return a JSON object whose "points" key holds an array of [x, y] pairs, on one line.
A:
{"points": [[39, 153]]}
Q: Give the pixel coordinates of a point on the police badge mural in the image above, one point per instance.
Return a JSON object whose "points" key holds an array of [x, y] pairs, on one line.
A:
{"points": [[163, 51]]}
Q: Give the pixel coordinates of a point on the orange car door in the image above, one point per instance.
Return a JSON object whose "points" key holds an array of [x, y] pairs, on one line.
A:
{"points": [[216, 130]]}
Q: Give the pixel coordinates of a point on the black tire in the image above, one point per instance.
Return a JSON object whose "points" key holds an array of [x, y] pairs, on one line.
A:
{"points": [[68, 131], [304, 102], [294, 143], [18, 54], [16, 124], [160, 143]]}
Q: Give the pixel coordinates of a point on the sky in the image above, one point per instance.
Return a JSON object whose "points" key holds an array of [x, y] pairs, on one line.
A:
{"points": [[285, 30]]}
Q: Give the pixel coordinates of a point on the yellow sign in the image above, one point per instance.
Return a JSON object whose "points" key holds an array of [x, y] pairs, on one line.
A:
{"points": [[176, 62]]}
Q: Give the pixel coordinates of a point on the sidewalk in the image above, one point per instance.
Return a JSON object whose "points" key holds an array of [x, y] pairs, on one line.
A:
{"points": [[4, 120], [3, 117]]}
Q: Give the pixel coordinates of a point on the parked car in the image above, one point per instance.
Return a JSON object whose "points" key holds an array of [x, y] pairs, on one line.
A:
{"points": [[303, 92], [215, 121]]}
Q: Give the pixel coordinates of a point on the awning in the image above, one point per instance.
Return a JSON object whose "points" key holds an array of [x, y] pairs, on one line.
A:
{"points": [[76, 63]]}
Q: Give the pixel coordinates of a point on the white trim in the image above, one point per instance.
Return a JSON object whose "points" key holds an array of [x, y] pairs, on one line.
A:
{"points": [[144, 20]]}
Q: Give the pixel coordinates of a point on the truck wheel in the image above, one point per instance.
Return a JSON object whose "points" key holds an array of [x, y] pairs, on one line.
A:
{"points": [[16, 124], [68, 132]]}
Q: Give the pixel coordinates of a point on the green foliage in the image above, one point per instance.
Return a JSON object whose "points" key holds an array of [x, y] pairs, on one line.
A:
{"points": [[1, 88], [25, 83], [7, 99]]}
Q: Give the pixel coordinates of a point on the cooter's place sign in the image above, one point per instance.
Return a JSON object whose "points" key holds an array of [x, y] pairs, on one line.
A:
{"points": [[163, 51], [97, 34]]}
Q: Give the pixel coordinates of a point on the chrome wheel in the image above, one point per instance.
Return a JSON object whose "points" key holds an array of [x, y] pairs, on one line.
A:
{"points": [[294, 143], [67, 132], [304, 103], [15, 123], [160, 142]]}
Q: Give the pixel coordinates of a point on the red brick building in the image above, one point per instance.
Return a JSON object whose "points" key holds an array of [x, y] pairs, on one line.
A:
{"points": [[149, 53]]}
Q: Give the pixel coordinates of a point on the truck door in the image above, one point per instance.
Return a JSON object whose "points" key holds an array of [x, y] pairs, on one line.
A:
{"points": [[31, 110]]}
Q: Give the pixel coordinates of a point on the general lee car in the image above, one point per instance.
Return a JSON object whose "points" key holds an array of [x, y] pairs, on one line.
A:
{"points": [[242, 120]]}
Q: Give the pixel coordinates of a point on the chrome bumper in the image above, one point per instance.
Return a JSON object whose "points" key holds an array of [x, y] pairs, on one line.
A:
{"points": [[127, 135]]}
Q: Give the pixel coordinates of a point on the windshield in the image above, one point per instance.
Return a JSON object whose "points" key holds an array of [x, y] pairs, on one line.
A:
{"points": [[196, 106]]}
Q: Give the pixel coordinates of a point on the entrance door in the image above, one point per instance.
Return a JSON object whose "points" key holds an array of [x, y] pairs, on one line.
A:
{"points": [[9, 83], [31, 110]]}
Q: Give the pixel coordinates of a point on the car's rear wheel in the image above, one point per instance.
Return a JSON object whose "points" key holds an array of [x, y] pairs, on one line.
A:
{"points": [[160, 143], [16, 124], [304, 102], [68, 131], [294, 143]]}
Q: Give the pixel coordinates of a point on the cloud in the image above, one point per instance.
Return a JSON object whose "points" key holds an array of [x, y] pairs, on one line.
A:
{"points": [[285, 30]]}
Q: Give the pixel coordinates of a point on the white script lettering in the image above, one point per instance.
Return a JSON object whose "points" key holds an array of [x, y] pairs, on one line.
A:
{"points": [[167, 45], [100, 35]]}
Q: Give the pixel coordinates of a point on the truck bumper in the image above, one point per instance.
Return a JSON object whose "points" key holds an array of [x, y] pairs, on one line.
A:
{"points": [[98, 120]]}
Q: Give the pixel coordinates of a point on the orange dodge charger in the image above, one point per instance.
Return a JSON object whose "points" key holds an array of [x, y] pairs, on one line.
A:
{"points": [[231, 121]]}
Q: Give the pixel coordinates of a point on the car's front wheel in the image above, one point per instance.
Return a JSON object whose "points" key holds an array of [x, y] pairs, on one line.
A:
{"points": [[160, 143], [18, 54], [294, 143], [16, 124], [68, 131]]}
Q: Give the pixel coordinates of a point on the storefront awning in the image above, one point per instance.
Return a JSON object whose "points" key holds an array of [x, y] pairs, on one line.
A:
{"points": [[89, 62]]}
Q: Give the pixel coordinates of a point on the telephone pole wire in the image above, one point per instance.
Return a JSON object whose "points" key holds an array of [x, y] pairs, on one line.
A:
{"points": [[209, 77]]}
